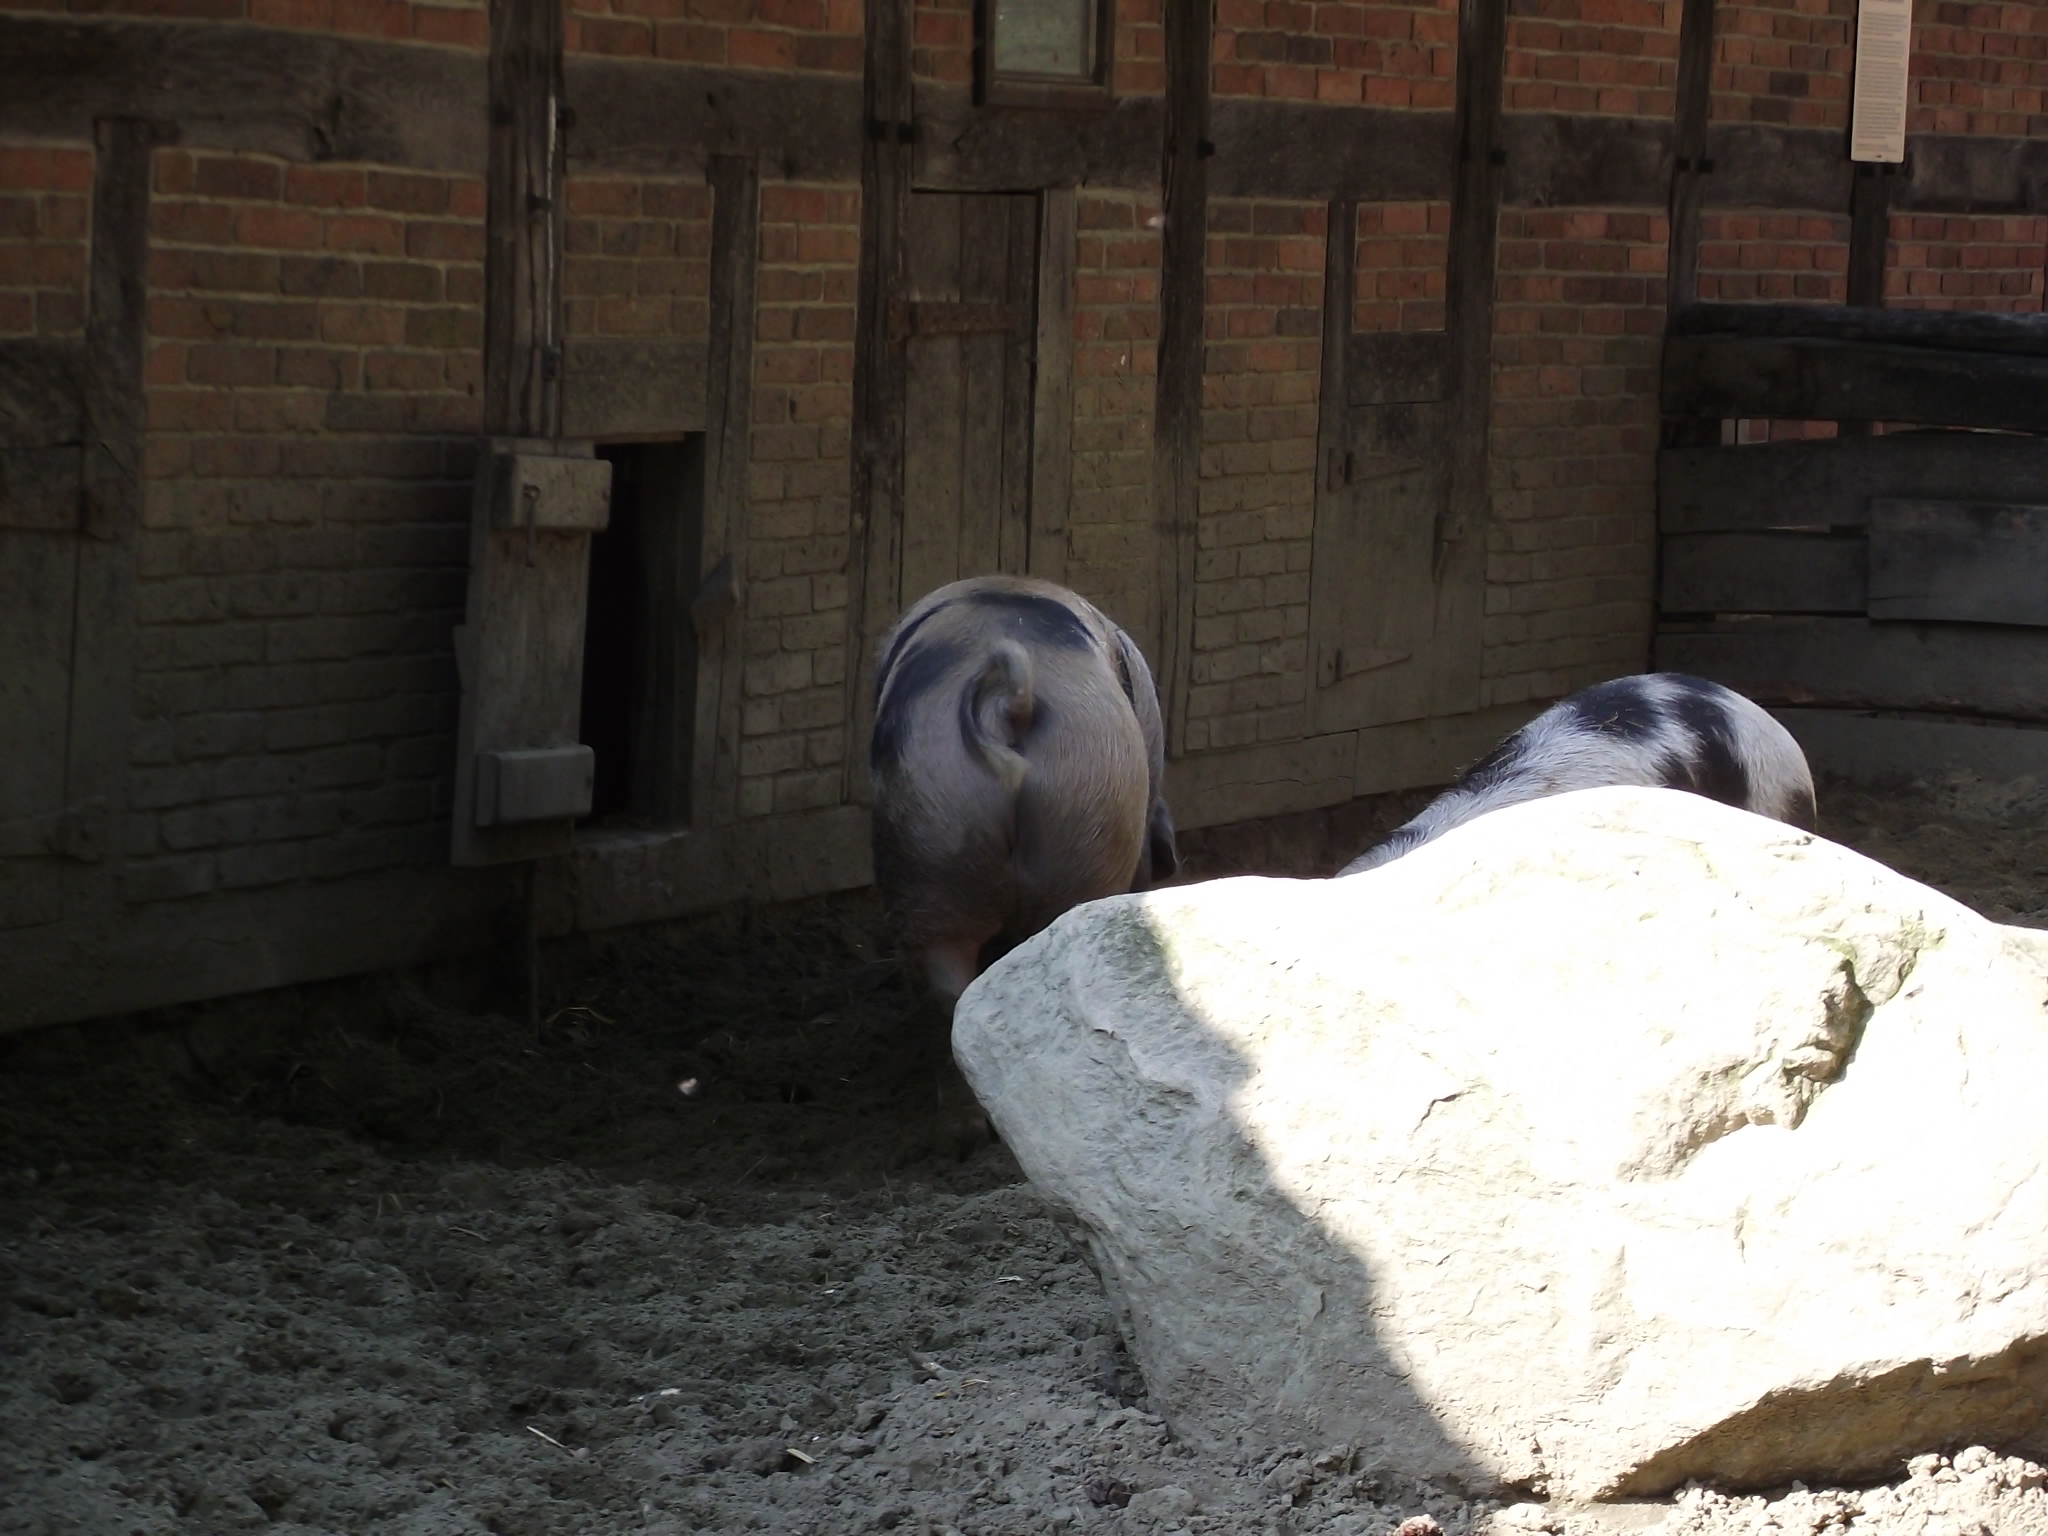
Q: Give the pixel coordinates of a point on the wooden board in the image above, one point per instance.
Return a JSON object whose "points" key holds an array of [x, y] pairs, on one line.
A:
{"points": [[1396, 367], [1689, 147], [1861, 664], [1373, 603], [42, 488], [647, 115], [1305, 150], [968, 396], [1708, 573], [1966, 562], [42, 389], [632, 390], [1880, 749], [1849, 381], [962, 147], [297, 93], [1761, 165], [1559, 161], [1828, 482], [715, 733], [1052, 408], [1948, 330]]}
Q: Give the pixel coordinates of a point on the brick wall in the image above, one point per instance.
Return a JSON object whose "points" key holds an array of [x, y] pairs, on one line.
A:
{"points": [[1614, 57], [1398, 283], [1979, 68], [1261, 363], [45, 218], [1578, 325], [1383, 55], [942, 45], [793, 727], [313, 375], [812, 36], [455, 23], [1111, 545], [1783, 61], [1770, 256], [1959, 261], [636, 257]]}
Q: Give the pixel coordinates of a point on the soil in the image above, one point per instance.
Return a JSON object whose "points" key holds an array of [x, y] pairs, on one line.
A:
{"points": [[357, 1259]]}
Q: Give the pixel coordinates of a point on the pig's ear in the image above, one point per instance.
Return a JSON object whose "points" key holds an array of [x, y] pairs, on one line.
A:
{"points": [[1162, 851]]}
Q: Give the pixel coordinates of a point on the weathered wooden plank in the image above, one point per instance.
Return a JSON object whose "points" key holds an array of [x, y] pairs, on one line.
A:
{"points": [[729, 365], [962, 147], [1396, 367], [1689, 147], [42, 385], [1971, 173], [1949, 330], [1759, 165], [523, 222], [1870, 209], [1862, 664], [1880, 749], [1560, 161], [1707, 573], [304, 95], [1460, 541], [874, 552], [1316, 150], [38, 585], [42, 488], [1373, 600], [973, 407], [1210, 789], [1848, 381], [1828, 482], [642, 115], [102, 655], [1052, 407], [1960, 561], [1177, 416], [631, 389], [1020, 283]]}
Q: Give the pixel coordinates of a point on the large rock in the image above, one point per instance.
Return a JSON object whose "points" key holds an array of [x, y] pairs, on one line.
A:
{"points": [[1610, 1141]]}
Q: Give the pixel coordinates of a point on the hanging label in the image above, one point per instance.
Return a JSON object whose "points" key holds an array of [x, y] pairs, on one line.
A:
{"points": [[1884, 49]]}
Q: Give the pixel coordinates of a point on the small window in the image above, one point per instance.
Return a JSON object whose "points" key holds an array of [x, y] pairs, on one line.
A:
{"points": [[1045, 52]]}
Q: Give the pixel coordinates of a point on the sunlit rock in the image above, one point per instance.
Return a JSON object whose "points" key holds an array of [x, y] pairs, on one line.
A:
{"points": [[1613, 1140]]}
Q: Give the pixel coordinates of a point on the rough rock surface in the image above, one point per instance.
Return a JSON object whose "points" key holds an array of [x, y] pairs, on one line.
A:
{"points": [[1613, 1141]]}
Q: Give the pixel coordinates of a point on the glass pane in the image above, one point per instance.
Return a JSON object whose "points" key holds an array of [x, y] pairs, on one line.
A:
{"points": [[1045, 37]]}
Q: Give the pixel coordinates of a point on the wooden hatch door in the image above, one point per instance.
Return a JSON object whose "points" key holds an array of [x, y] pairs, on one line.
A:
{"points": [[1374, 599], [966, 326], [522, 777]]}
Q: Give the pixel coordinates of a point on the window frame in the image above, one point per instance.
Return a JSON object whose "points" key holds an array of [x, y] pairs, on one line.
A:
{"points": [[994, 89]]}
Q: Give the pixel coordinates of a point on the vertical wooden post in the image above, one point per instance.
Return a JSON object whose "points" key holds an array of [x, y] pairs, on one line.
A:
{"points": [[522, 286], [1052, 391], [1177, 413], [96, 760], [523, 222], [1689, 140], [1462, 517], [1694, 112], [735, 252], [1870, 219], [874, 553]]}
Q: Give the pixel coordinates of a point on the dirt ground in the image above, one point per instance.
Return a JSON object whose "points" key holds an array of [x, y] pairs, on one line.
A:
{"points": [[356, 1260]]}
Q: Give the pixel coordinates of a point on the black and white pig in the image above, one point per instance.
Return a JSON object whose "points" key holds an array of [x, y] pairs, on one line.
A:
{"points": [[1662, 730], [1016, 760]]}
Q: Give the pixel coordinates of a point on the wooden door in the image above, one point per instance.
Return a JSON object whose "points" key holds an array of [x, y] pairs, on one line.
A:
{"points": [[966, 325], [1374, 599]]}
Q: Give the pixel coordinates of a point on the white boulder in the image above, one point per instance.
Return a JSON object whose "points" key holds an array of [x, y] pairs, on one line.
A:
{"points": [[1613, 1140]]}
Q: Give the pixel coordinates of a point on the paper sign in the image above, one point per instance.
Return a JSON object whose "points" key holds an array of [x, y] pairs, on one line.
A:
{"points": [[1884, 48]]}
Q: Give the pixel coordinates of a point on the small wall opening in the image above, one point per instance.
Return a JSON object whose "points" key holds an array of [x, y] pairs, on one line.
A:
{"points": [[639, 649]]}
